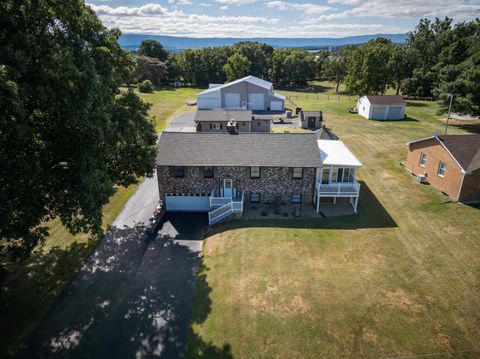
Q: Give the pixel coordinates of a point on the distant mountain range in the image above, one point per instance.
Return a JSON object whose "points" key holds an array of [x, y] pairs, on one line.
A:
{"points": [[132, 41]]}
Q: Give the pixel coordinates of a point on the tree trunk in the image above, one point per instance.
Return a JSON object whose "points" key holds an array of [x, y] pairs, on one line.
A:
{"points": [[338, 84], [398, 87]]}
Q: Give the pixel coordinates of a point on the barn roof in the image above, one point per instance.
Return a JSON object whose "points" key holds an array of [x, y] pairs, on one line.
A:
{"points": [[386, 100]]}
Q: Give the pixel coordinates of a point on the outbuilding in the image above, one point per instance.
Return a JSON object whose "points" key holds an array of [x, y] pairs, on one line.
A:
{"points": [[389, 107]]}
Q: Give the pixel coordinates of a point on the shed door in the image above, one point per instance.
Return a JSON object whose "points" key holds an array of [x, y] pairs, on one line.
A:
{"points": [[276, 106], [378, 112], [256, 101], [232, 100], [395, 113]]}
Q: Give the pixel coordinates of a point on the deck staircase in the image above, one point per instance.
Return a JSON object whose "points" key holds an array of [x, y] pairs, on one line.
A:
{"points": [[224, 207]]}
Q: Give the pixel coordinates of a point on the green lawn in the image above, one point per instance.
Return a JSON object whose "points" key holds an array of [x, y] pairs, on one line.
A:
{"points": [[400, 278], [34, 284]]}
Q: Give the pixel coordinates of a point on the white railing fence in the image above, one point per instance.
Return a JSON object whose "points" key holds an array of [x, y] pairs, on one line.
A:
{"points": [[339, 189], [224, 209]]}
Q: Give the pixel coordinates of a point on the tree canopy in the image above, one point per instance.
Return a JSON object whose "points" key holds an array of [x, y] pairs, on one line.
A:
{"points": [[68, 136], [154, 49], [237, 66]]}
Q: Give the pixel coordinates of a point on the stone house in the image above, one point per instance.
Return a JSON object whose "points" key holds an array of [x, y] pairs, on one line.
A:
{"points": [[220, 172], [449, 163]]}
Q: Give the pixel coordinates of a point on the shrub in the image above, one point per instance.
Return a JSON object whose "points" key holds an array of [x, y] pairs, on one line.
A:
{"points": [[264, 213], [285, 214], [145, 86]]}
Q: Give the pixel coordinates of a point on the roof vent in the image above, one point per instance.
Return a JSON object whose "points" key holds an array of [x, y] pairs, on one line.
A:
{"points": [[232, 127]]}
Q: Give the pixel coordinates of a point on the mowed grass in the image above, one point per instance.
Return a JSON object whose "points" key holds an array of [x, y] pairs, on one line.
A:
{"points": [[33, 285], [400, 278]]}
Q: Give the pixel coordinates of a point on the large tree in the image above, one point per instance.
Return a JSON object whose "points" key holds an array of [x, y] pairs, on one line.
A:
{"points": [[335, 67], [150, 68], [68, 136], [237, 66], [152, 48], [367, 69], [459, 69]]}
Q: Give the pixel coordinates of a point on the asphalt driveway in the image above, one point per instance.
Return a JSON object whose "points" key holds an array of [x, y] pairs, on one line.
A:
{"points": [[133, 298], [183, 122]]}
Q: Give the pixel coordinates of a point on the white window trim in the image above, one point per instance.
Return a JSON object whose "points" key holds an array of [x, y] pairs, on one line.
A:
{"points": [[423, 156], [444, 169]]}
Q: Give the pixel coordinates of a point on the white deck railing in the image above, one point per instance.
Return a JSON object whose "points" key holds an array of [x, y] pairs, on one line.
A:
{"points": [[224, 209], [338, 189]]}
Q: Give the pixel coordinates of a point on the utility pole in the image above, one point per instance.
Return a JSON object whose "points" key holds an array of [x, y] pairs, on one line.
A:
{"points": [[448, 115]]}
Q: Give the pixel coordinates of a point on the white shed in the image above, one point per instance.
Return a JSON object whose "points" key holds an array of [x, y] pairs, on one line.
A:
{"points": [[389, 107]]}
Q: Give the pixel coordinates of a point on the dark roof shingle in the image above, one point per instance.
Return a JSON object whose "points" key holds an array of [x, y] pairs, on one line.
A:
{"points": [[465, 149], [244, 149], [386, 100]]}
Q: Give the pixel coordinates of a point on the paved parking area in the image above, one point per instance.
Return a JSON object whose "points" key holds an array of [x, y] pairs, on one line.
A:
{"points": [[133, 298], [183, 122]]}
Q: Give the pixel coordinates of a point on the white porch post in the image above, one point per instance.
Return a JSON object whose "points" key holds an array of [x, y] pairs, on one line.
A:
{"points": [[318, 201], [356, 204]]}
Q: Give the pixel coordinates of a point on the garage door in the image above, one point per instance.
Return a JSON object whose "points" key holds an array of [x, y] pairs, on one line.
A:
{"points": [[187, 203], [395, 113], [208, 103], [378, 113], [232, 100], [276, 106], [256, 101]]}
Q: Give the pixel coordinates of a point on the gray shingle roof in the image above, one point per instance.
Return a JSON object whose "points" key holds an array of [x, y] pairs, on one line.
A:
{"points": [[244, 149], [223, 115]]}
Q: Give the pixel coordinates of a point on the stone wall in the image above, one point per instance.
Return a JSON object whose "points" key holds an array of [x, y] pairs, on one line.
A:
{"points": [[274, 182]]}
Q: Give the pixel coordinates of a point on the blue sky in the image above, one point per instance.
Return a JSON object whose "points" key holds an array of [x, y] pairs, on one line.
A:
{"points": [[276, 18]]}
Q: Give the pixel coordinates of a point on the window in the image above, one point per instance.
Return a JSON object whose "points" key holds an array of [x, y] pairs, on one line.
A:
{"points": [[179, 171], [296, 198], [442, 167], [334, 174], [326, 176], [254, 197], [297, 172], [216, 126], [255, 172], [258, 123], [340, 175], [348, 174], [207, 172], [423, 159]]}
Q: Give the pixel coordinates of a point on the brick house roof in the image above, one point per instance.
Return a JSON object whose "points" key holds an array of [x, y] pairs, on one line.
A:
{"points": [[242, 149], [465, 149]]}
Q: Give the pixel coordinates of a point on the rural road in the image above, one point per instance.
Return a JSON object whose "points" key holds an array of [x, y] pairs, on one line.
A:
{"points": [[133, 297]]}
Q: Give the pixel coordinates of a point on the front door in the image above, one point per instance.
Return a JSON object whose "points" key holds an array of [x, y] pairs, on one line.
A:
{"points": [[228, 188], [311, 122]]}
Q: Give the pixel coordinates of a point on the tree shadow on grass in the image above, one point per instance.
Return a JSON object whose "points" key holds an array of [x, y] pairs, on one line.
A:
{"points": [[408, 119], [473, 128], [371, 214], [416, 104]]}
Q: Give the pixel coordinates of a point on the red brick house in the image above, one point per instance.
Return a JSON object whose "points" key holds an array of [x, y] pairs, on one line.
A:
{"points": [[449, 163]]}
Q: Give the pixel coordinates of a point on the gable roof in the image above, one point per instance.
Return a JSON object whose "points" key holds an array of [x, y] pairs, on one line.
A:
{"points": [[251, 79], [243, 149], [386, 100], [223, 115], [465, 149]]}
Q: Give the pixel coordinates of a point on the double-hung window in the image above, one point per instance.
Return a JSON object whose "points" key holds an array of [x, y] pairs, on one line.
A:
{"points": [[254, 197], [423, 159], [255, 172], [442, 168], [179, 171], [296, 198], [216, 126], [208, 172], [297, 172]]}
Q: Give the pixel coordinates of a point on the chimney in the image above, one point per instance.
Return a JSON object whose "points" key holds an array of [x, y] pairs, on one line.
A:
{"points": [[232, 127]]}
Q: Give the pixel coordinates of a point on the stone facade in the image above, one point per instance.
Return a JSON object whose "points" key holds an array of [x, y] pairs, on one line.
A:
{"points": [[275, 183]]}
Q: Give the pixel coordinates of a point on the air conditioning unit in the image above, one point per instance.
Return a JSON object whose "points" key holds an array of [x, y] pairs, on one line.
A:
{"points": [[422, 179]]}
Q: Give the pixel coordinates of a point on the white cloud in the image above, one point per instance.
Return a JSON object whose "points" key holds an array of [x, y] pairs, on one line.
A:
{"points": [[236, 2], [204, 4], [224, 7], [180, 2], [308, 8], [343, 2]]}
